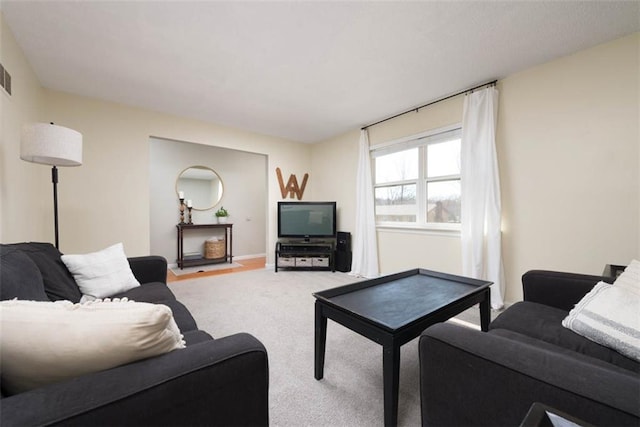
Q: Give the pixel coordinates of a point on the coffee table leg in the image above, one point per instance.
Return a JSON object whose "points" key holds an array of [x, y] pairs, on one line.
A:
{"points": [[391, 378], [320, 341], [485, 316]]}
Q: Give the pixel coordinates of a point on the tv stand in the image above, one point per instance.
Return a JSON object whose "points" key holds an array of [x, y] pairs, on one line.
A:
{"points": [[305, 254]]}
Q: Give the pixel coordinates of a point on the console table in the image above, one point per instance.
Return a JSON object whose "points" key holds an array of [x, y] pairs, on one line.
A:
{"points": [[194, 260]]}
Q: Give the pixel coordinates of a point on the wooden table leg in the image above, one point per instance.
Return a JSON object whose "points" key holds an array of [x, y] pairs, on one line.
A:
{"points": [[320, 341], [391, 379]]}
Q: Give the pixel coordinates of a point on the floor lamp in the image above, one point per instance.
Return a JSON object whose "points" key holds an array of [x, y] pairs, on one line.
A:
{"points": [[49, 144]]}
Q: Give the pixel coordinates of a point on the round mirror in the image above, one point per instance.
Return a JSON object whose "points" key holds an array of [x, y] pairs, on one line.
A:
{"points": [[201, 185]]}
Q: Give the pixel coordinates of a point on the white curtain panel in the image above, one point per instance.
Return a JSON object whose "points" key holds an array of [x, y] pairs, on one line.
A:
{"points": [[365, 241], [481, 209]]}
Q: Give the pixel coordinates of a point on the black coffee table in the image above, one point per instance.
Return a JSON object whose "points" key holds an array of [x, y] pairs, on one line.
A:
{"points": [[391, 311]]}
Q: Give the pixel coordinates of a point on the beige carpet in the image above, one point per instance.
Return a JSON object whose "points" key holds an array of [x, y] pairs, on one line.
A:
{"points": [[278, 309]]}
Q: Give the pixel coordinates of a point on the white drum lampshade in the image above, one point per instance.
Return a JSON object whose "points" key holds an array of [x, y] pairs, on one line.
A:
{"points": [[50, 144]]}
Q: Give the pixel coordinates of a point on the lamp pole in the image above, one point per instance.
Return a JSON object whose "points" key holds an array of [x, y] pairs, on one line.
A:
{"points": [[54, 180]]}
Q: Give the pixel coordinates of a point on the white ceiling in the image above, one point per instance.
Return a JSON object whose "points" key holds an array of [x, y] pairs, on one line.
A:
{"points": [[304, 71]]}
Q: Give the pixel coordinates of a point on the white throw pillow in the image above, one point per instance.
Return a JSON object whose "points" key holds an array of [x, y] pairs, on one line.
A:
{"points": [[608, 315], [630, 277], [101, 274], [46, 342]]}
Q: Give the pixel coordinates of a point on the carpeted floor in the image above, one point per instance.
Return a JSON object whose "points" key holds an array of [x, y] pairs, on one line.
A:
{"points": [[278, 309]]}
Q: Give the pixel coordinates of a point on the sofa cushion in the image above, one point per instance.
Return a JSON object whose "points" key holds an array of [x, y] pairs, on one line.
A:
{"points": [[159, 293], [58, 282], [148, 292], [195, 337], [101, 274], [19, 276], [46, 342], [545, 323], [182, 316], [515, 336]]}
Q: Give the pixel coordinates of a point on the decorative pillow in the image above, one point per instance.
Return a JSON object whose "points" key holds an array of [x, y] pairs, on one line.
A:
{"points": [[630, 277], [19, 276], [101, 274], [608, 315], [46, 342], [58, 281]]}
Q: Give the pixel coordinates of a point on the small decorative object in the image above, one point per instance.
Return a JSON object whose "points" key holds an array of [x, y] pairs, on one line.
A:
{"points": [[222, 215], [291, 189], [215, 248], [190, 206], [182, 209]]}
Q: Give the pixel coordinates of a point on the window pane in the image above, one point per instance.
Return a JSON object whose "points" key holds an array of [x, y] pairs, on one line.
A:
{"points": [[400, 166], [396, 203], [443, 201], [443, 158]]}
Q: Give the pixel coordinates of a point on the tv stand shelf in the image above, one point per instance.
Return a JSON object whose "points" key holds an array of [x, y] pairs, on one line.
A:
{"points": [[303, 255]]}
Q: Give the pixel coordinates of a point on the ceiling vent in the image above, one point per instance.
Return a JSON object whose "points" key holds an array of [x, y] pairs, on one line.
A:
{"points": [[5, 79]]}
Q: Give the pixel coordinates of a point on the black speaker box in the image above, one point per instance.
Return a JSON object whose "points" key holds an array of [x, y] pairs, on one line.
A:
{"points": [[343, 261], [343, 252], [343, 243]]}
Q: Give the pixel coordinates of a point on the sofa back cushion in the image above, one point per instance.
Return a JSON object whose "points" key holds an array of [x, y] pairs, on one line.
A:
{"points": [[59, 284], [19, 276]]}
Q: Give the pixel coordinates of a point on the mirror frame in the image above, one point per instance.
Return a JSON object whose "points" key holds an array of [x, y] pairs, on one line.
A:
{"points": [[217, 202]]}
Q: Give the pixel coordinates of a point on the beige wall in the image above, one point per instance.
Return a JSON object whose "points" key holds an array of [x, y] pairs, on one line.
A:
{"points": [[334, 170], [568, 143], [107, 200], [568, 146], [244, 196], [113, 183], [21, 183]]}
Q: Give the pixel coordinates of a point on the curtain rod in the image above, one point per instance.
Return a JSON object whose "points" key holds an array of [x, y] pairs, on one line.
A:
{"points": [[416, 109]]}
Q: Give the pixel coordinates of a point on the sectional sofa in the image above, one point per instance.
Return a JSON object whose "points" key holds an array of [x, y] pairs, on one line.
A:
{"points": [[473, 378], [220, 381]]}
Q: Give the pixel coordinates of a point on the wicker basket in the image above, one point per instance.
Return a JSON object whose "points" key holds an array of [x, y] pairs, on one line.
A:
{"points": [[215, 249]]}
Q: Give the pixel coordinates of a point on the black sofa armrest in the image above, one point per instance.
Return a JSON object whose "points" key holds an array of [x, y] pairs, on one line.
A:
{"points": [[558, 289], [216, 382], [472, 378], [148, 269]]}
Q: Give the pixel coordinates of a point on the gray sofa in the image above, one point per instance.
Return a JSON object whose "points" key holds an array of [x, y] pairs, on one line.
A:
{"points": [[210, 382], [473, 378]]}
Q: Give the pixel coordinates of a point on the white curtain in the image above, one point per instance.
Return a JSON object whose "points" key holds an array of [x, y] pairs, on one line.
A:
{"points": [[481, 209], [365, 242]]}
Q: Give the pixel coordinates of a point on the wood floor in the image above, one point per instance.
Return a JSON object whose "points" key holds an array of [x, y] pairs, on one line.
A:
{"points": [[247, 264]]}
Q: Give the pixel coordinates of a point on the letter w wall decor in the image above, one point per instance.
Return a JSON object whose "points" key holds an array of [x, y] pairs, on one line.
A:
{"points": [[291, 189]]}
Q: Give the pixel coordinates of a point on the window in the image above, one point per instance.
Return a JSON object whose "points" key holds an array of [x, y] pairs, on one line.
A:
{"points": [[417, 180]]}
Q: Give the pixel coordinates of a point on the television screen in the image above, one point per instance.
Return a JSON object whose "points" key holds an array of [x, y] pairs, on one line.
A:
{"points": [[306, 219]]}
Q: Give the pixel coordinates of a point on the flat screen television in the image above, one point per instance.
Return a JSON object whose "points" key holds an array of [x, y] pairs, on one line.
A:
{"points": [[306, 220]]}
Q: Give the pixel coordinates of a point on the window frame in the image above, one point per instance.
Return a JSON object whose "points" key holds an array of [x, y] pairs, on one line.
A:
{"points": [[421, 141]]}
